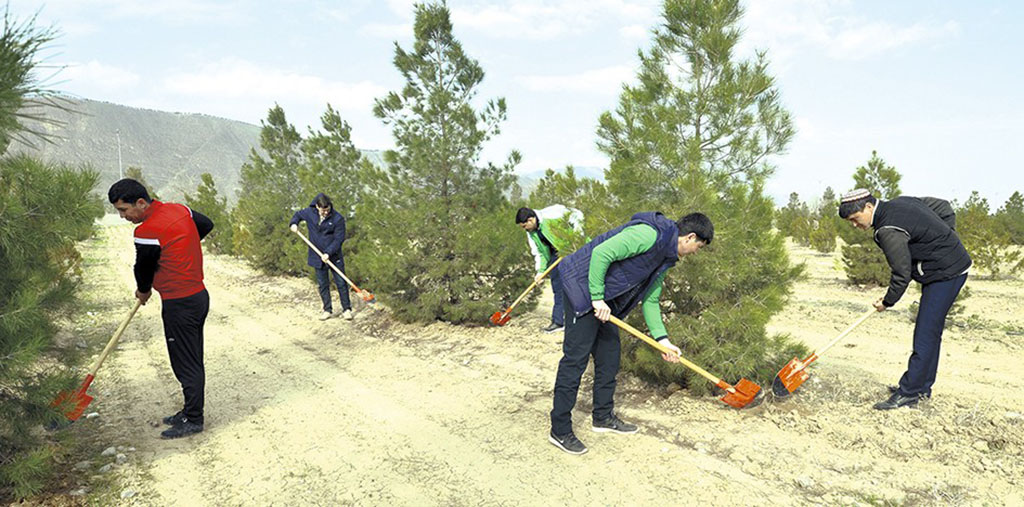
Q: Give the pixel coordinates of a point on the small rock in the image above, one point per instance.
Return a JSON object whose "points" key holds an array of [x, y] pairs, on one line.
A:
{"points": [[78, 492], [92, 415], [131, 449], [156, 424], [805, 482], [120, 448], [81, 344], [109, 451], [981, 445], [128, 493], [105, 468], [673, 387], [1014, 417], [82, 465], [120, 459]]}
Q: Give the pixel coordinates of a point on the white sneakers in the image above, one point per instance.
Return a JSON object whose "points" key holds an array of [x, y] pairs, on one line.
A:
{"points": [[347, 315], [325, 315]]}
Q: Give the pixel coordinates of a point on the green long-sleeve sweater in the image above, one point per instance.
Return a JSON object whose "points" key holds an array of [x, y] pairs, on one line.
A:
{"points": [[629, 242]]}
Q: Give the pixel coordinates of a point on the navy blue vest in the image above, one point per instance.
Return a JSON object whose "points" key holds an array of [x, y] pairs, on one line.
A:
{"points": [[627, 281]]}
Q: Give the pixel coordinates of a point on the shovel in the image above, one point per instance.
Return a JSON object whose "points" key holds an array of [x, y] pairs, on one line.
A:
{"points": [[794, 374], [501, 318], [77, 400], [744, 393], [366, 295]]}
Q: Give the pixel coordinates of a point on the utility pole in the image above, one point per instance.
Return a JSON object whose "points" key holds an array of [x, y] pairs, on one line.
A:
{"points": [[120, 171]]}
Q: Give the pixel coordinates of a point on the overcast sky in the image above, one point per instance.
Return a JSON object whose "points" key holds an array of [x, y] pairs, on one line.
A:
{"points": [[933, 86]]}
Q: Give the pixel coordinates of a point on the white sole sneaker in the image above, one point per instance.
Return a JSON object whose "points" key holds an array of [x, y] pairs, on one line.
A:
{"points": [[558, 444], [600, 429]]}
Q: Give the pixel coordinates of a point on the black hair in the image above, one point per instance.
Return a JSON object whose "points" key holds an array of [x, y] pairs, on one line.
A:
{"points": [[127, 191], [699, 224], [848, 208], [524, 214], [322, 201]]}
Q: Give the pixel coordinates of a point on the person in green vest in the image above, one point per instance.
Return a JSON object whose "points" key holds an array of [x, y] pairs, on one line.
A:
{"points": [[547, 230]]}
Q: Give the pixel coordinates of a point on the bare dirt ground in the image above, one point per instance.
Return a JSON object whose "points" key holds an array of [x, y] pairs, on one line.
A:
{"points": [[374, 412]]}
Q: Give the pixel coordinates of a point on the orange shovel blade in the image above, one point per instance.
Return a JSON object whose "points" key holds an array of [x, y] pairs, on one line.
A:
{"points": [[74, 402], [500, 318], [746, 393], [790, 377], [367, 296]]}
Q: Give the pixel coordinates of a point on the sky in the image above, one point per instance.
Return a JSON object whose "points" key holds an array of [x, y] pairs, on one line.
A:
{"points": [[932, 86]]}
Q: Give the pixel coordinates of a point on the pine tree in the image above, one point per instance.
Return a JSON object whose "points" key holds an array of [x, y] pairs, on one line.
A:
{"points": [[794, 220], [135, 173], [268, 197], [984, 238], [585, 194], [1011, 218], [435, 246], [864, 262], [696, 134], [825, 223], [207, 202]]}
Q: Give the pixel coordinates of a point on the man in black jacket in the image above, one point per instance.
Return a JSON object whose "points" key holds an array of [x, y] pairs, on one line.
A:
{"points": [[919, 240], [327, 231]]}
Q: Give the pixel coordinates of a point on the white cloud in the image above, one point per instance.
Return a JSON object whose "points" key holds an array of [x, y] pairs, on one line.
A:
{"points": [[603, 81], [388, 31], [634, 32], [94, 75], [242, 80], [544, 20], [869, 39]]}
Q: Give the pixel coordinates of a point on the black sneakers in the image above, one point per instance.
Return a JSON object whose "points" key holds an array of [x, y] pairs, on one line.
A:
{"points": [[898, 400], [182, 429], [568, 443], [615, 425], [171, 420], [554, 328]]}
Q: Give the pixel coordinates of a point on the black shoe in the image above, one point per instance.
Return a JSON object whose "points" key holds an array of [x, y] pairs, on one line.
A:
{"points": [[554, 328], [182, 429], [893, 389], [614, 425], [897, 400], [568, 443], [171, 420]]}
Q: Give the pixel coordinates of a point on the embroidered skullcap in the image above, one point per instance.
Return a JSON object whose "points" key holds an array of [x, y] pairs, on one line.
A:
{"points": [[860, 193]]}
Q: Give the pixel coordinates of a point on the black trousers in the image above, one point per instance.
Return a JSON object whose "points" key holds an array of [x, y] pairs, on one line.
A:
{"points": [[183, 327], [585, 337], [936, 300], [323, 282]]}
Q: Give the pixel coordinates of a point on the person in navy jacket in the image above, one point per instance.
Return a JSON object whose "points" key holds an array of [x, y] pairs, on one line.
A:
{"points": [[326, 231]]}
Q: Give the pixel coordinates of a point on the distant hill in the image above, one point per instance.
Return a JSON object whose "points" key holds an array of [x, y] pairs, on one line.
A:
{"points": [[172, 149]]}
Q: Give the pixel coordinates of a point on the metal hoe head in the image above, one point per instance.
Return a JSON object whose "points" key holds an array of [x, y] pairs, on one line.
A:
{"points": [[500, 318], [748, 394], [790, 378]]}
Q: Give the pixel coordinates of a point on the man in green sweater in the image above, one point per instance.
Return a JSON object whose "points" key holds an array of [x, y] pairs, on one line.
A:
{"points": [[611, 275], [546, 233]]}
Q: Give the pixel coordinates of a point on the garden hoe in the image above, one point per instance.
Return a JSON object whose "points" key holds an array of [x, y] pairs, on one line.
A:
{"points": [[501, 318], [794, 374], [365, 294], [744, 394], [75, 401]]}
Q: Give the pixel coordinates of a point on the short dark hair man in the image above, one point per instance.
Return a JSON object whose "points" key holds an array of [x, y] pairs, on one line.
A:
{"points": [[610, 275], [169, 258], [546, 230], [919, 240], [326, 229]]}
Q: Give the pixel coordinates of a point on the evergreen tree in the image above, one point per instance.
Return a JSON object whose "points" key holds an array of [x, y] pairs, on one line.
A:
{"points": [[696, 134], [22, 95], [984, 238], [864, 262], [434, 246], [585, 194], [794, 220], [1011, 218], [270, 192], [135, 173], [825, 223], [207, 202]]}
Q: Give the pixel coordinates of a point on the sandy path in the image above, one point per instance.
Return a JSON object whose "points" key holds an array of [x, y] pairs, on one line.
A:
{"points": [[373, 412]]}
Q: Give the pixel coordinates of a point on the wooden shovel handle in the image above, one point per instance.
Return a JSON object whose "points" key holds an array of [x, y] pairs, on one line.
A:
{"points": [[665, 350], [113, 340], [329, 263], [534, 284], [847, 331]]}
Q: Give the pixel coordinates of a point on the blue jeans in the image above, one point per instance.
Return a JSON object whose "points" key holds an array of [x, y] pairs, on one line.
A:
{"points": [[936, 300], [557, 311], [323, 281]]}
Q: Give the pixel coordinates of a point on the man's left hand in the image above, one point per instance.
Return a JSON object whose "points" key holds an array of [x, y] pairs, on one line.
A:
{"points": [[143, 296], [878, 305], [324, 257], [672, 358]]}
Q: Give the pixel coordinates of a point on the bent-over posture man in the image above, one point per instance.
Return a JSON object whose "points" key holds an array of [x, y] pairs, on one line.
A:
{"points": [[546, 231]]}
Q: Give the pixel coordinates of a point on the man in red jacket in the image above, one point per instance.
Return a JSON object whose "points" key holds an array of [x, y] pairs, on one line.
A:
{"points": [[168, 258]]}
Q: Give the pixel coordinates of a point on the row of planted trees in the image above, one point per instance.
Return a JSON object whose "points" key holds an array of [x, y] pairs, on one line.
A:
{"points": [[993, 238], [431, 225]]}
